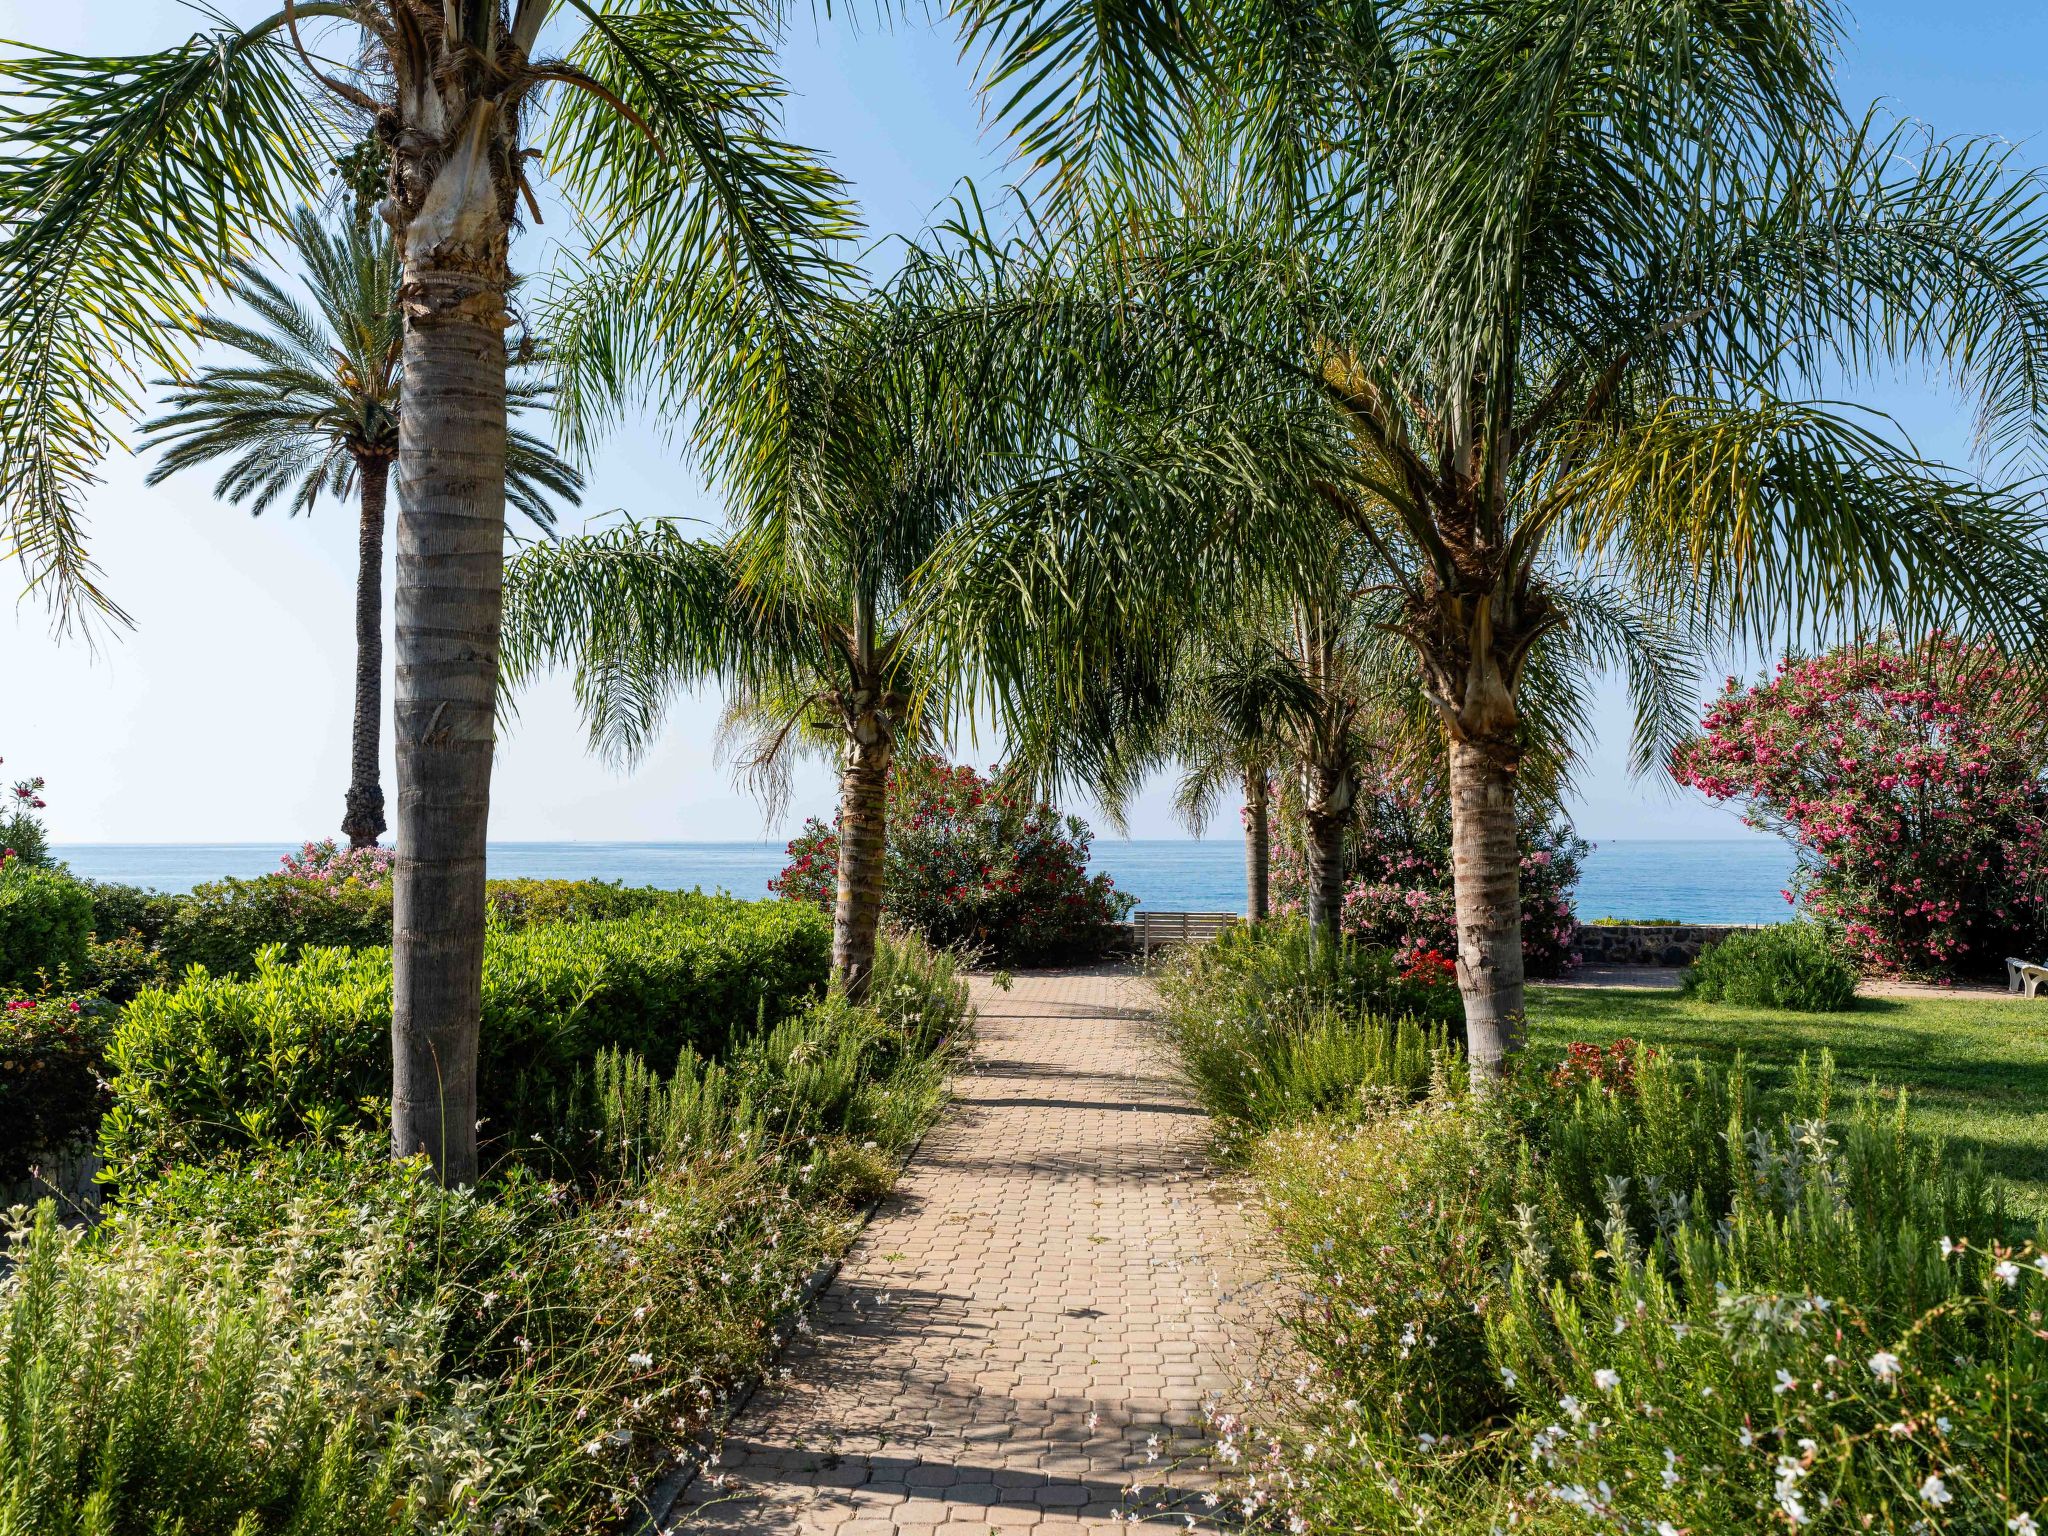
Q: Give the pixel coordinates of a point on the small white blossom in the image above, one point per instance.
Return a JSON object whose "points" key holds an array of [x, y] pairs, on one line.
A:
{"points": [[2007, 1273], [1606, 1380], [1884, 1365], [1934, 1491]]}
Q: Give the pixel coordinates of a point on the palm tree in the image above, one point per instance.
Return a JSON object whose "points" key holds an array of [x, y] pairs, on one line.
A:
{"points": [[805, 614], [1570, 277], [313, 410], [130, 186]]}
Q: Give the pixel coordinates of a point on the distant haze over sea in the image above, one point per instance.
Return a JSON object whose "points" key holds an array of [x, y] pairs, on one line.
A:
{"points": [[1696, 882]]}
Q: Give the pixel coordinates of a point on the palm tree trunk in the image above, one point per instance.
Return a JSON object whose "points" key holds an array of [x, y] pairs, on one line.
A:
{"points": [[1327, 810], [863, 851], [451, 538], [363, 819], [1486, 877], [1258, 844]]}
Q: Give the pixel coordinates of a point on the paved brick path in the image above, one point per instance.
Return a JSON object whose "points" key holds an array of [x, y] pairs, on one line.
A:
{"points": [[1049, 1286]]}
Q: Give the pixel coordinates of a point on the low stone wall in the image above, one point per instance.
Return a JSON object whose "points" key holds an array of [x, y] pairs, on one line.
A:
{"points": [[1649, 943]]}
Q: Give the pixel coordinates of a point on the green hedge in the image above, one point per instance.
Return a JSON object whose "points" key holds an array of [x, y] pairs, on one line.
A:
{"points": [[302, 1047], [224, 923], [45, 924], [1796, 966]]}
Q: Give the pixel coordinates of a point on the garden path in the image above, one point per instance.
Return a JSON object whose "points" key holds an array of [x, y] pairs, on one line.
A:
{"points": [[1050, 1286]]}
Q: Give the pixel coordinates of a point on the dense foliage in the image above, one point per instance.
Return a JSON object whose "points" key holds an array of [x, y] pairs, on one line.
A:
{"points": [[1914, 782], [975, 864], [1398, 891], [1625, 1295], [45, 925], [1799, 966], [1272, 1022], [51, 1091], [301, 1048], [307, 1337]]}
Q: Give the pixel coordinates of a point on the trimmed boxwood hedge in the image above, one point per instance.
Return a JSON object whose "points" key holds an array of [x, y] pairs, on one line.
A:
{"points": [[302, 1047]]}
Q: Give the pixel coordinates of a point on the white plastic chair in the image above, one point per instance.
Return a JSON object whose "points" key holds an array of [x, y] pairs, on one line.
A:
{"points": [[2024, 976]]}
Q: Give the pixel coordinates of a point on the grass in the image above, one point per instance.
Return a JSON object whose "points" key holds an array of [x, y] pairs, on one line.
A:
{"points": [[1975, 1070]]}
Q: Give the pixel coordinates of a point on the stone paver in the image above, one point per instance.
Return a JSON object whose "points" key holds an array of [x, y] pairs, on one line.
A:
{"points": [[1050, 1285]]}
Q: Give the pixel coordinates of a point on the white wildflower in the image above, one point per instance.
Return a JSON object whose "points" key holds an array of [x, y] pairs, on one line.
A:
{"points": [[1934, 1491], [1884, 1365], [1606, 1380]]}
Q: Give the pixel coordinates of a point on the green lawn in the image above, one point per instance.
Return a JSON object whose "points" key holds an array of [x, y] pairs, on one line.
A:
{"points": [[1975, 1069]]}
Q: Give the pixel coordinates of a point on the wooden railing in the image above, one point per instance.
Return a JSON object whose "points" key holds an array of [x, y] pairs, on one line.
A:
{"points": [[1152, 928]]}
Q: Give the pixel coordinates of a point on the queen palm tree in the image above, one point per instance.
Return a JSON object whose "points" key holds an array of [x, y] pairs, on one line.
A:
{"points": [[313, 410], [806, 613], [1571, 278], [129, 188]]}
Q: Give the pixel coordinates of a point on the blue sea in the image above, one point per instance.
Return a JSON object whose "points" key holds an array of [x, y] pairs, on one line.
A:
{"points": [[1691, 882]]}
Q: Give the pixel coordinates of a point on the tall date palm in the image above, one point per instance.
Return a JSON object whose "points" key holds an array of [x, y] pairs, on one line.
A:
{"points": [[129, 187], [1574, 279], [312, 409]]}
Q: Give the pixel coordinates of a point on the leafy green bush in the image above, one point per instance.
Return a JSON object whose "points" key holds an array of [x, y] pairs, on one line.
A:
{"points": [[520, 903], [225, 924], [45, 924], [303, 1047], [51, 1050], [524, 1357], [1796, 966], [123, 909], [1270, 1024]]}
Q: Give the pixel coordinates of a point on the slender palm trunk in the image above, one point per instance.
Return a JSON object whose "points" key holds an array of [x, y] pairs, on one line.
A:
{"points": [[863, 851], [451, 536], [1486, 876], [1327, 810], [1257, 844], [363, 819]]}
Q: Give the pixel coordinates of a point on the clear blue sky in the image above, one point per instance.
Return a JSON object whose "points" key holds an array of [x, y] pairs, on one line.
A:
{"points": [[224, 715]]}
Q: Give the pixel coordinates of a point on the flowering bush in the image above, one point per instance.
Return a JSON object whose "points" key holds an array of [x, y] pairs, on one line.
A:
{"points": [[329, 863], [974, 864], [1610, 1068], [1914, 783], [1658, 1311], [1399, 891], [21, 828]]}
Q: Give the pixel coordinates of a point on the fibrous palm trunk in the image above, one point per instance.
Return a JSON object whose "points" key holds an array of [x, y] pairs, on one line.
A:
{"points": [[363, 818], [1327, 809], [451, 520], [1257, 844], [863, 850], [1486, 882]]}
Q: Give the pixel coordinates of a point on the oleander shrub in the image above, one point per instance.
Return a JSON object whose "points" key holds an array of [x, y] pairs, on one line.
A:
{"points": [[1913, 779], [975, 864], [51, 1090], [45, 925], [1800, 967], [302, 1047], [21, 823], [1397, 887]]}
